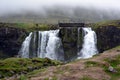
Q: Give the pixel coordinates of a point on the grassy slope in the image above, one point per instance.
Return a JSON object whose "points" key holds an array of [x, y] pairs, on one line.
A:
{"points": [[36, 26], [95, 68], [115, 23], [30, 26], [12, 66]]}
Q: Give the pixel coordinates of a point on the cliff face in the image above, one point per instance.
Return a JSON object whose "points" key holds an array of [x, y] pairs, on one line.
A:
{"points": [[69, 38], [108, 37], [10, 40]]}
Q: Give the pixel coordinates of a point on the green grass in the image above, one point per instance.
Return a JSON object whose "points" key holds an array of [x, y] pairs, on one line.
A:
{"points": [[23, 77], [115, 63], [115, 23], [35, 72], [91, 64], [115, 48], [29, 27], [11, 66], [86, 78], [52, 78]]}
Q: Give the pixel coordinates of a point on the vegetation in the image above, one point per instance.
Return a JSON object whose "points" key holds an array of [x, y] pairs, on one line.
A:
{"points": [[87, 78], [115, 23], [91, 64], [33, 27], [36, 26], [12, 66], [115, 63], [30, 26]]}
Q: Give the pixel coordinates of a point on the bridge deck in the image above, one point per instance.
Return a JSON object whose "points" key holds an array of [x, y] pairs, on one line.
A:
{"points": [[71, 24]]}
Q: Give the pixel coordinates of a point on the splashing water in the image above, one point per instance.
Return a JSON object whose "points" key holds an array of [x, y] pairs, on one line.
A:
{"points": [[48, 45], [89, 46], [24, 51]]}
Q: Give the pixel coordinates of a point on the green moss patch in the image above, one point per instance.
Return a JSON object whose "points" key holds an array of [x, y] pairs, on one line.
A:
{"points": [[92, 64], [115, 63], [29, 27], [115, 23], [12, 66], [87, 78]]}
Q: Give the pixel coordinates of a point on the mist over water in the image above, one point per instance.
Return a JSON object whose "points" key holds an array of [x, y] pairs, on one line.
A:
{"points": [[76, 9]]}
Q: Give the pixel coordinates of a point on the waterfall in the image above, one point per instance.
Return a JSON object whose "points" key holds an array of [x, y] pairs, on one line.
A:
{"points": [[48, 45], [78, 41], [89, 44], [54, 48], [24, 51], [43, 39]]}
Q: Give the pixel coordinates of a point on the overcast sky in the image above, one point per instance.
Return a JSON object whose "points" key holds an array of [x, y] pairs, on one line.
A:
{"points": [[17, 6]]}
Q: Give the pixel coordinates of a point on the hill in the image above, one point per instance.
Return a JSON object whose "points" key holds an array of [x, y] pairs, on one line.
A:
{"points": [[96, 68]]}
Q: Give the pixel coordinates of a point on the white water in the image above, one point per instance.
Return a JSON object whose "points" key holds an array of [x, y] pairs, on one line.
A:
{"points": [[43, 39], [49, 45], [24, 51], [54, 48], [89, 46], [44, 44]]}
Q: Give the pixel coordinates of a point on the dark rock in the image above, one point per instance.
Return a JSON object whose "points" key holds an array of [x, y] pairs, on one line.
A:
{"points": [[0, 76], [11, 40], [118, 50], [108, 37], [69, 38]]}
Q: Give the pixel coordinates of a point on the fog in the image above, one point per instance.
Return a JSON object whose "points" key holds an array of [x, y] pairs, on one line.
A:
{"points": [[92, 9]]}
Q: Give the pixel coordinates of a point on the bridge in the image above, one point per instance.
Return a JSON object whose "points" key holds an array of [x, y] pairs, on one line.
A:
{"points": [[71, 24]]}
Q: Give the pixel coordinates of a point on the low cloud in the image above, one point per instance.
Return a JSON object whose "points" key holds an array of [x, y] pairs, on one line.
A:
{"points": [[43, 7]]}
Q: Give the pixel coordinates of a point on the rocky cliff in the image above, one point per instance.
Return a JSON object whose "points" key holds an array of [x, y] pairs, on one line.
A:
{"points": [[10, 40], [108, 36]]}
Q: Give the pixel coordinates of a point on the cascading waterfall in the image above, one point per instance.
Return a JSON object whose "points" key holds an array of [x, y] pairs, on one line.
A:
{"points": [[54, 48], [48, 45], [89, 46], [43, 39], [24, 51]]}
